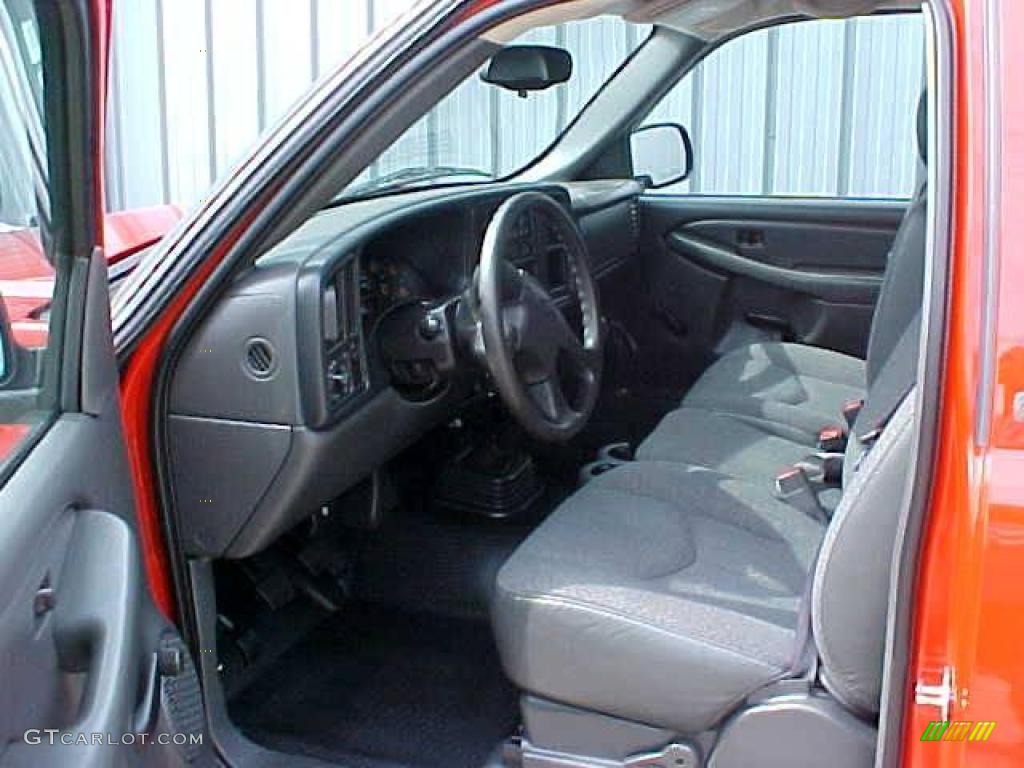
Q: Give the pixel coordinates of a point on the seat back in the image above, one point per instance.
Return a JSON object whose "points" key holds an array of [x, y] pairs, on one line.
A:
{"points": [[850, 591], [900, 295]]}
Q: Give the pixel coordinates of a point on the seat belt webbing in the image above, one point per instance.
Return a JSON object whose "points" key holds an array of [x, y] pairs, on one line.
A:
{"points": [[894, 382]]}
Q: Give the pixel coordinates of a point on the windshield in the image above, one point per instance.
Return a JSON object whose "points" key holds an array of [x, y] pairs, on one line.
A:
{"points": [[480, 132]]}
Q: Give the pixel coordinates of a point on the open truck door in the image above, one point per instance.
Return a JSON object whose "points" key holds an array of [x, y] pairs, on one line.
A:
{"points": [[93, 674]]}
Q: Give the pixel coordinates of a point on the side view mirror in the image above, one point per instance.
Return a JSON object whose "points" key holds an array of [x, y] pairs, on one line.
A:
{"points": [[8, 350], [524, 68], [662, 154]]}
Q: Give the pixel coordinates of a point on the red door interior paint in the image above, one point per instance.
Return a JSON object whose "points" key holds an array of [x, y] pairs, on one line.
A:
{"points": [[970, 603]]}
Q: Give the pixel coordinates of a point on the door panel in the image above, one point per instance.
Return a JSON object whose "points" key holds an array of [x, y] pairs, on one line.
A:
{"points": [[92, 674], [70, 598], [83, 651], [726, 271]]}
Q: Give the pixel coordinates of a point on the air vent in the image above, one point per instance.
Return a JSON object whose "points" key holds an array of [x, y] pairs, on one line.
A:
{"points": [[260, 358]]}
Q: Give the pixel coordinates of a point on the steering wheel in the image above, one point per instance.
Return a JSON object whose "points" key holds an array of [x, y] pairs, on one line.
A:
{"points": [[548, 377]]}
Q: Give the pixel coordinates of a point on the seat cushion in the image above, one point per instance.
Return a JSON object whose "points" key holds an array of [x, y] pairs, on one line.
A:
{"points": [[659, 592], [792, 388], [740, 446]]}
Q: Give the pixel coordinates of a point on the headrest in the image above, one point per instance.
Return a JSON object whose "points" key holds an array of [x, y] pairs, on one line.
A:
{"points": [[922, 127]]}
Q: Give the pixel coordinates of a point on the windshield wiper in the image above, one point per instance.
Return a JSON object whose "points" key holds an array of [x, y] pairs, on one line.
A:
{"points": [[406, 177]]}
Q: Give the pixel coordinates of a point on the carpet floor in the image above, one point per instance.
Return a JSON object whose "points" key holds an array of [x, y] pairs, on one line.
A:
{"points": [[379, 688]]}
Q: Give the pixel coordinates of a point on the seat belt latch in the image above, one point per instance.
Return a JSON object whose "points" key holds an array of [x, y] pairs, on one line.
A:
{"points": [[831, 440], [819, 469], [823, 468], [851, 410], [794, 487]]}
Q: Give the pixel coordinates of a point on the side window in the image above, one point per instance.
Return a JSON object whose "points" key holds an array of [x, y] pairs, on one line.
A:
{"points": [[819, 108], [28, 370]]}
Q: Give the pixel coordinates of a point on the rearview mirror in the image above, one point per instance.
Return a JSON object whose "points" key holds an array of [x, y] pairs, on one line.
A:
{"points": [[524, 68], [662, 154]]}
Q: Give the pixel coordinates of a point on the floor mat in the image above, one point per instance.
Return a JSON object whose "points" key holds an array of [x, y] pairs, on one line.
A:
{"points": [[373, 688], [428, 561]]}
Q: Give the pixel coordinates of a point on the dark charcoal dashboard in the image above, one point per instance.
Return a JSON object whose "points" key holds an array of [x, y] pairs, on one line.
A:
{"points": [[334, 351]]}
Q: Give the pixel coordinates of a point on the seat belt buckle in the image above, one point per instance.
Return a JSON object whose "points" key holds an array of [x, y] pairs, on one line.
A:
{"points": [[791, 481], [794, 487], [851, 410], [832, 440], [825, 467], [821, 469]]}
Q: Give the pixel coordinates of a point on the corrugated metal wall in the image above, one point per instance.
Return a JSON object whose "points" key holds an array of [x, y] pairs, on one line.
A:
{"points": [[822, 108], [487, 128], [195, 82]]}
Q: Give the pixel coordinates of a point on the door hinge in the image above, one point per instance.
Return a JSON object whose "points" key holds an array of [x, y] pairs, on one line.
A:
{"points": [[936, 695]]}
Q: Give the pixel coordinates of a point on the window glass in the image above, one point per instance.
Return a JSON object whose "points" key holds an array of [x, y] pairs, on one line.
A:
{"points": [[480, 132], [809, 109], [23, 151], [195, 83], [27, 275]]}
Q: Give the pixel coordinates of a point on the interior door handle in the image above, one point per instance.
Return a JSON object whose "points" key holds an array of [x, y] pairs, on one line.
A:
{"points": [[750, 238]]}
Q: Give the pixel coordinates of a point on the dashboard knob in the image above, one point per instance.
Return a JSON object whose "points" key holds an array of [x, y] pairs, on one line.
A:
{"points": [[431, 327]]}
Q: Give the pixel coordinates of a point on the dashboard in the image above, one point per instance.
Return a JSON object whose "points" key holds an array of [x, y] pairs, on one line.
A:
{"points": [[432, 257], [426, 258], [335, 351]]}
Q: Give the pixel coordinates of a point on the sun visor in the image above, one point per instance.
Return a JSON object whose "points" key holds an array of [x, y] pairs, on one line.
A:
{"points": [[712, 19], [704, 19]]}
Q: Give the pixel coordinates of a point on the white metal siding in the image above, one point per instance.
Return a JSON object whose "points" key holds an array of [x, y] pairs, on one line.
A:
{"points": [[195, 82], [822, 108]]}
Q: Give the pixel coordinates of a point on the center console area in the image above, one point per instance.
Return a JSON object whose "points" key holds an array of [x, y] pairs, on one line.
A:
{"points": [[345, 371], [330, 316]]}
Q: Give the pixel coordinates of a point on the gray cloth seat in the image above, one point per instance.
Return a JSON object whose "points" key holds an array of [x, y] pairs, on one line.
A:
{"points": [[761, 407], [793, 388], [666, 594], [747, 447], [758, 411], [659, 593]]}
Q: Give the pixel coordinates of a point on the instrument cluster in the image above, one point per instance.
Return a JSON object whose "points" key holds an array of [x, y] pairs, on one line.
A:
{"points": [[388, 282]]}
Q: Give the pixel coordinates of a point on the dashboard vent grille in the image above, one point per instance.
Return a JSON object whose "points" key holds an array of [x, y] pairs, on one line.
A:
{"points": [[260, 358]]}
